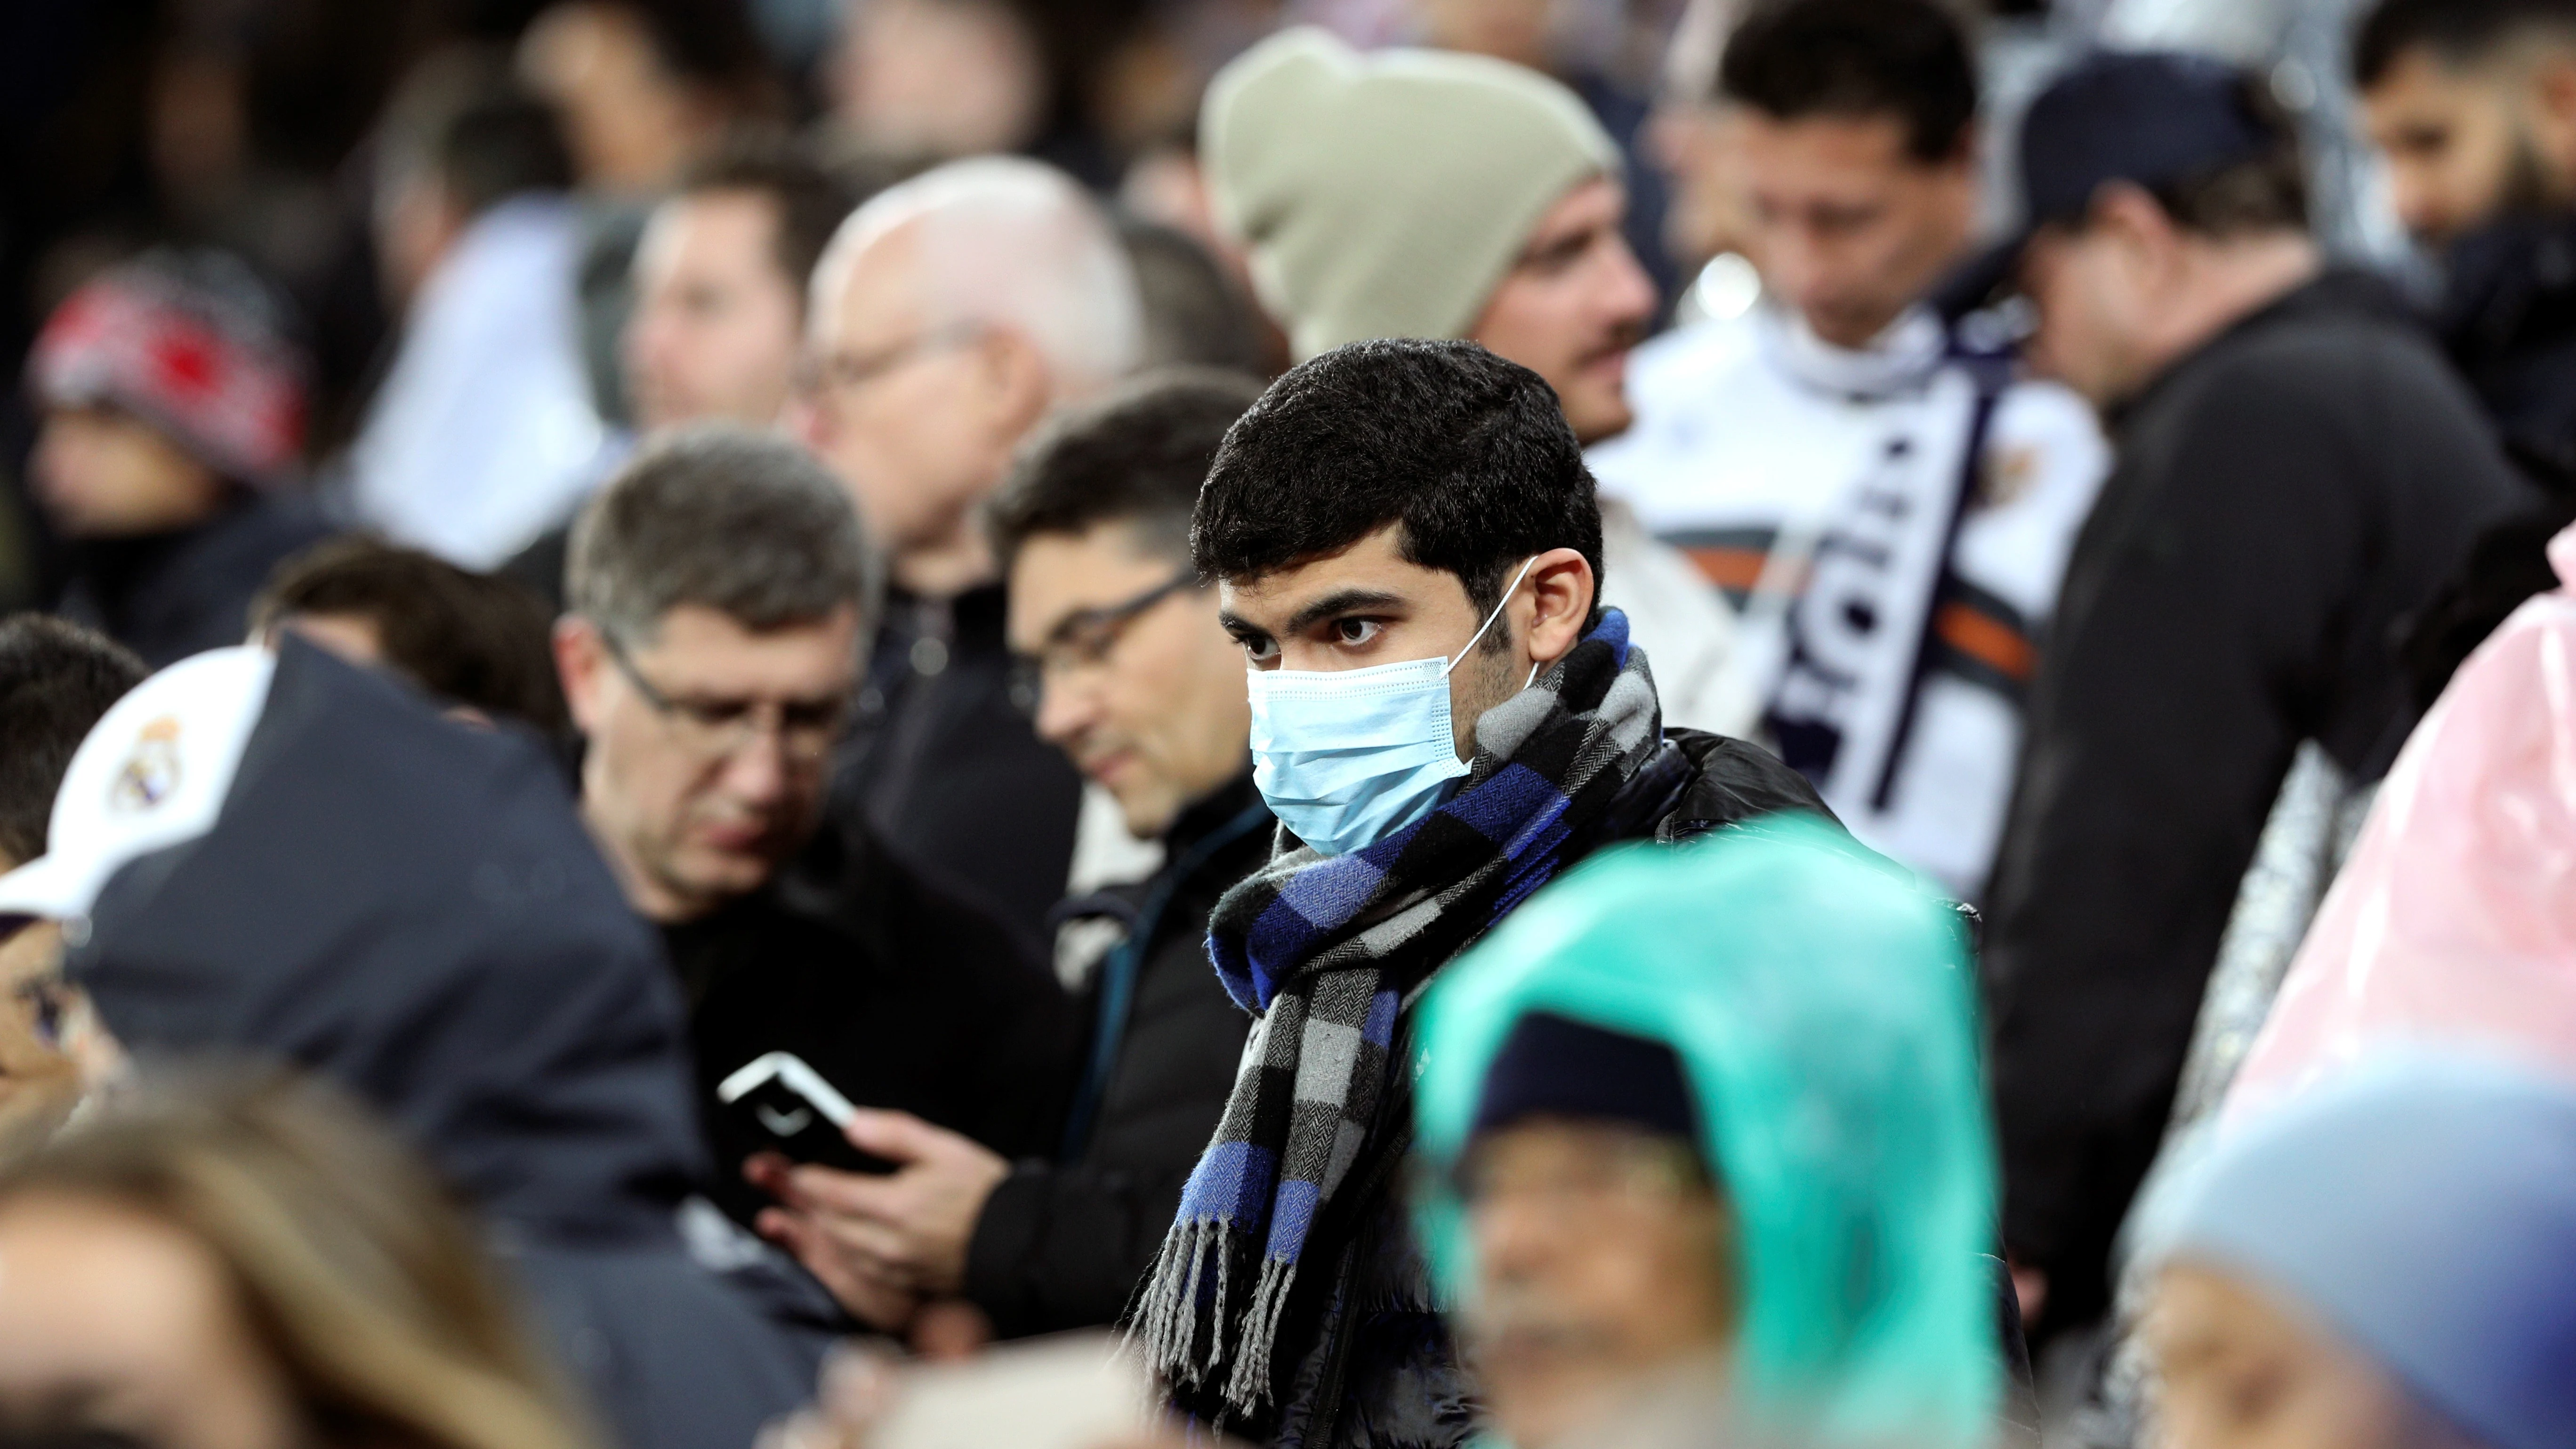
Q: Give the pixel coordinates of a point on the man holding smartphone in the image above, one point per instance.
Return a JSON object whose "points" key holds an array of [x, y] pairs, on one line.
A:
{"points": [[721, 593], [1133, 678]]}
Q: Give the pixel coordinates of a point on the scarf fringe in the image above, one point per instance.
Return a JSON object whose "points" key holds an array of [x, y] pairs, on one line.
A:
{"points": [[1249, 1385], [1166, 1324]]}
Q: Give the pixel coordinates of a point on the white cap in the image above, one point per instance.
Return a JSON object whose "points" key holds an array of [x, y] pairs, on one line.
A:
{"points": [[153, 772]]}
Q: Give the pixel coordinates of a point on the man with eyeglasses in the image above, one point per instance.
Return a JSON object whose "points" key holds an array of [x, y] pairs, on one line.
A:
{"points": [[950, 316], [1136, 681], [720, 590]]}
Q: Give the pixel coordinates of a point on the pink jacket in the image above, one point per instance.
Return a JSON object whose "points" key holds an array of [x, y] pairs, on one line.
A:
{"points": [[2454, 920]]}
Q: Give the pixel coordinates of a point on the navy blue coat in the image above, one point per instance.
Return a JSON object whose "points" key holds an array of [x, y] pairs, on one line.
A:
{"points": [[410, 907]]}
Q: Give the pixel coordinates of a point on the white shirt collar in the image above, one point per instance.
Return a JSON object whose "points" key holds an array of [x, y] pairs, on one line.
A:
{"points": [[1897, 360]]}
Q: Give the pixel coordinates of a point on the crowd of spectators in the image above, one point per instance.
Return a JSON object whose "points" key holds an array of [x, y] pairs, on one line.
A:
{"points": [[1825, 724]]}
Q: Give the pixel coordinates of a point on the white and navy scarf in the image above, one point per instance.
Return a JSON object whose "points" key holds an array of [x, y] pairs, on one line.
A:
{"points": [[1326, 950]]}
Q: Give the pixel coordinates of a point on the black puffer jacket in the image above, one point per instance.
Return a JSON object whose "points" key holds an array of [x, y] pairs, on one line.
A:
{"points": [[1063, 1240], [1370, 1364]]}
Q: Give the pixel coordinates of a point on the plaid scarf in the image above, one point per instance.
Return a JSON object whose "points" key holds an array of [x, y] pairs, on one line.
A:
{"points": [[1325, 951]]}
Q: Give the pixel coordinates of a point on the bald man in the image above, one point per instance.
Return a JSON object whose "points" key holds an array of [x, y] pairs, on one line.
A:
{"points": [[949, 316]]}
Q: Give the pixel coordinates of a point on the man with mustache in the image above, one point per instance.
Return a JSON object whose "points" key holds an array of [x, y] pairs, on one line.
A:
{"points": [[1892, 513], [1411, 194], [721, 591]]}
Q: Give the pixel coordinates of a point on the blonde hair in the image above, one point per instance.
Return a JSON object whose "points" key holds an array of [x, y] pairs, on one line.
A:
{"points": [[366, 1282]]}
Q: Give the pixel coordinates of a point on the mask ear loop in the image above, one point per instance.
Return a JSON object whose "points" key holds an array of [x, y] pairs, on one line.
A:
{"points": [[1470, 646]]}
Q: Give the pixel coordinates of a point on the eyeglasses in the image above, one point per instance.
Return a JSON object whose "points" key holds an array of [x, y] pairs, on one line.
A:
{"points": [[831, 378], [1084, 639], [714, 729]]}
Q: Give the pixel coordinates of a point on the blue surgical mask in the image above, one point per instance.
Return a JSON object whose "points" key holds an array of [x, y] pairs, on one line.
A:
{"points": [[1348, 757]]}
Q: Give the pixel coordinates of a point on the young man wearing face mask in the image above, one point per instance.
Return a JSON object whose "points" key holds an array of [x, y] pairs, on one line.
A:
{"points": [[1891, 511], [1406, 545]]}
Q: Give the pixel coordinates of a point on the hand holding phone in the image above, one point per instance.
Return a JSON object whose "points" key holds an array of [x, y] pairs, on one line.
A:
{"points": [[778, 1099]]}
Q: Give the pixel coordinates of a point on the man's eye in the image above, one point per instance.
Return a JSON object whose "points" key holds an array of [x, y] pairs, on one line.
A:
{"points": [[1355, 631], [811, 715], [1559, 257], [1260, 650]]}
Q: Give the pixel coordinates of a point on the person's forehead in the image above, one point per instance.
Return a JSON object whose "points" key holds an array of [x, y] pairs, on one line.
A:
{"points": [[1375, 564], [125, 1270], [701, 648], [1848, 141], [1549, 1135], [733, 226], [1594, 201], [2420, 80], [873, 289], [1057, 575]]}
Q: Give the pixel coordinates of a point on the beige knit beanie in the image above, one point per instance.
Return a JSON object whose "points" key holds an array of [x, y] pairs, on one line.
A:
{"points": [[1385, 195]]}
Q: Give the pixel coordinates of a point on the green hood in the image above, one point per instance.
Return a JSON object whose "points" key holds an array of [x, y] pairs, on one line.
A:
{"points": [[1821, 1004]]}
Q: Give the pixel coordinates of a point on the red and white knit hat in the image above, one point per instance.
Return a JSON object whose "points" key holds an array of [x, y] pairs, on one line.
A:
{"points": [[190, 343]]}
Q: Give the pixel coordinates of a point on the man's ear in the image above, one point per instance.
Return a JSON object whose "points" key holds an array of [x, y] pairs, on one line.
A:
{"points": [[1554, 603], [581, 656], [2137, 223], [1020, 383], [2553, 119]]}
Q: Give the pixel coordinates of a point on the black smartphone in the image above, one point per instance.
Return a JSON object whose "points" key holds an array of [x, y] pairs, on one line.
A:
{"points": [[780, 1100]]}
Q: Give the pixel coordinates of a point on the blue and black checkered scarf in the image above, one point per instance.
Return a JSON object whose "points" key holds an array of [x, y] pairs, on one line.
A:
{"points": [[1326, 951]]}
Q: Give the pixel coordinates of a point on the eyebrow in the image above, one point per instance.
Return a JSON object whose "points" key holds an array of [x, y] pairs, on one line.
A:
{"points": [[1342, 601], [1558, 249]]}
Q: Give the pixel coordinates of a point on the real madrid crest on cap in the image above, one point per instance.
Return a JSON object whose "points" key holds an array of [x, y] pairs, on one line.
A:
{"points": [[151, 772]]}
